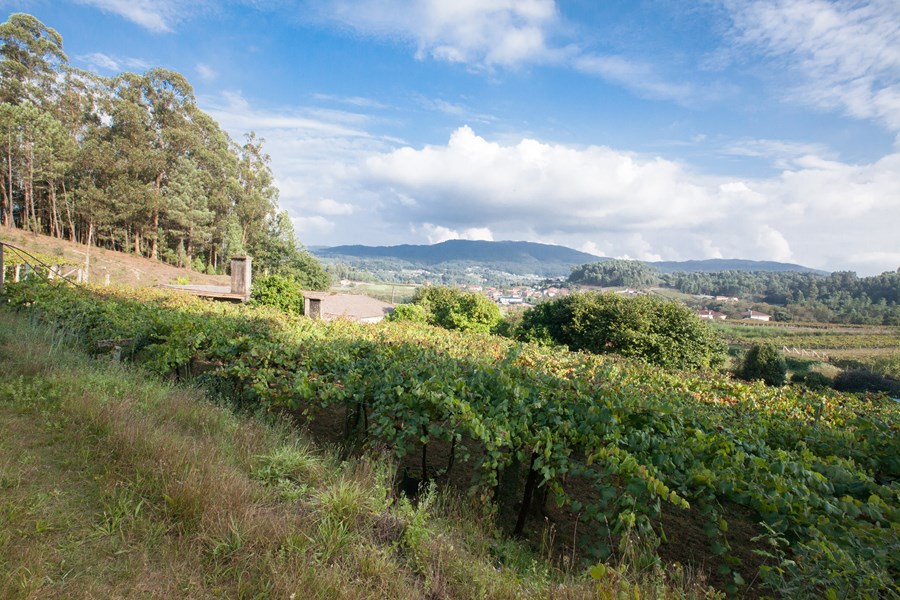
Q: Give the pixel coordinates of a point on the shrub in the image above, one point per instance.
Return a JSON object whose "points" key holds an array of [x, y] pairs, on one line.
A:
{"points": [[278, 291], [862, 380], [408, 312], [661, 332], [764, 361], [454, 309]]}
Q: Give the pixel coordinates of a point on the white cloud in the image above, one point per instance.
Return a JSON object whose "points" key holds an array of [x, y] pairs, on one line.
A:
{"points": [[105, 62], [158, 16], [845, 53], [783, 154], [640, 78], [437, 234], [206, 72], [592, 247], [596, 187], [315, 224], [100, 61], [771, 244], [477, 32], [327, 206], [455, 110]]}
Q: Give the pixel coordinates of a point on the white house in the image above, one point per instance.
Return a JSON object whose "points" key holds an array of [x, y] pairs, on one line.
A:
{"points": [[711, 315], [753, 315]]}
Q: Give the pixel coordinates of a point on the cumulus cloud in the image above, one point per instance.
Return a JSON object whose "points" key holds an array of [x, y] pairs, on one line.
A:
{"points": [[566, 188], [819, 212], [476, 32], [845, 53], [437, 234]]}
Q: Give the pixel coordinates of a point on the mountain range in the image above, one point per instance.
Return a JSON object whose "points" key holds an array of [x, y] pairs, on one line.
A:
{"points": [[524, 258]]}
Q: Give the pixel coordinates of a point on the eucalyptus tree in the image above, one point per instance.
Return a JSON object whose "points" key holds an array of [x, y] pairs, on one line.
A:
{"points": [[258, 196], [31, 55]]}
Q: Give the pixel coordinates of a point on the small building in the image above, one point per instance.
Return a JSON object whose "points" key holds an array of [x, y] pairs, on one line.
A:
{"points": [[711, 315], [753, 315], [509, 300], [329, 306]]}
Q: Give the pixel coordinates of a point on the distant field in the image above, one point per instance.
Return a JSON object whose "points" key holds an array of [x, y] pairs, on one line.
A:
{"points": [[395, 293], [849, 346]]}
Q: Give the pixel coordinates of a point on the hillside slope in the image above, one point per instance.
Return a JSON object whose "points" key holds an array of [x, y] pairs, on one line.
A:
{"points": [[123, 269]]}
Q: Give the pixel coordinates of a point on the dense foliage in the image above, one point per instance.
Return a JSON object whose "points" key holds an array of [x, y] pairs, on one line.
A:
{"points": [[839, 297], [764, 362], [616, 273], [278, 291], [661, 332], [818, 469], [130, 163], [452, 308]]}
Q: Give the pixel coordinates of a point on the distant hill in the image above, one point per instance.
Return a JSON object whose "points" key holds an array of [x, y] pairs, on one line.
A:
{"points": [[468, 250], [716, 265], [521, 258]]}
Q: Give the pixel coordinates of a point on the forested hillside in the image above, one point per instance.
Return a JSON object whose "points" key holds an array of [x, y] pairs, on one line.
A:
{"points": [[131, 163], [838, 297]]}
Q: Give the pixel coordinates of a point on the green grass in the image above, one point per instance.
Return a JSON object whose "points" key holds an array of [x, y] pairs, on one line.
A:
{"points": [[397, 293], [113, 484]]}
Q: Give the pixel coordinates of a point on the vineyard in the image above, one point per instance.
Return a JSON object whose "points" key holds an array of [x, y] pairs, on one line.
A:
{"points": [[819, 470], [815, 336]]}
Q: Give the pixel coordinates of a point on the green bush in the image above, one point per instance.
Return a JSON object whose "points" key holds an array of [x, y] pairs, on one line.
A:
{"points": [[278, 291], [863, 380], [766, 362], [451, 308], [813, 380], [408, 312], [661, 332]]}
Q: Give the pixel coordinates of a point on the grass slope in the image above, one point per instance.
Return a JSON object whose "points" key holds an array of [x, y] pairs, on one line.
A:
{"points": [[116, 485], [122, 268]]}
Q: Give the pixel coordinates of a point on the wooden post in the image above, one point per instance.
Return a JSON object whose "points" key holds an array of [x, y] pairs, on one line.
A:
{"points": [[241, 278], [2, 269]]}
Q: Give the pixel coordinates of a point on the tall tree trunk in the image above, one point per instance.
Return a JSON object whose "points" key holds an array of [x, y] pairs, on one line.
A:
{"points": [[7, 216], [87, 255], [154, 251], [190, 249], [30, 188], [54, 213], [69, 219]]}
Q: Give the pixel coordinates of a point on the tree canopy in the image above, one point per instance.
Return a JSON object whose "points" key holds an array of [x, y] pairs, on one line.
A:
{"points": [[131, 163], [616, 273]]}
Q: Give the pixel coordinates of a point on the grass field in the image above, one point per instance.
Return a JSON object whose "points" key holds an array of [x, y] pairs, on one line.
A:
{"points": [[395, 293]]}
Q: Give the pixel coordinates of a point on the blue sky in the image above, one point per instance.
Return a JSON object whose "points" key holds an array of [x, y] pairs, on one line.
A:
{"points": [[651, 129]]}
